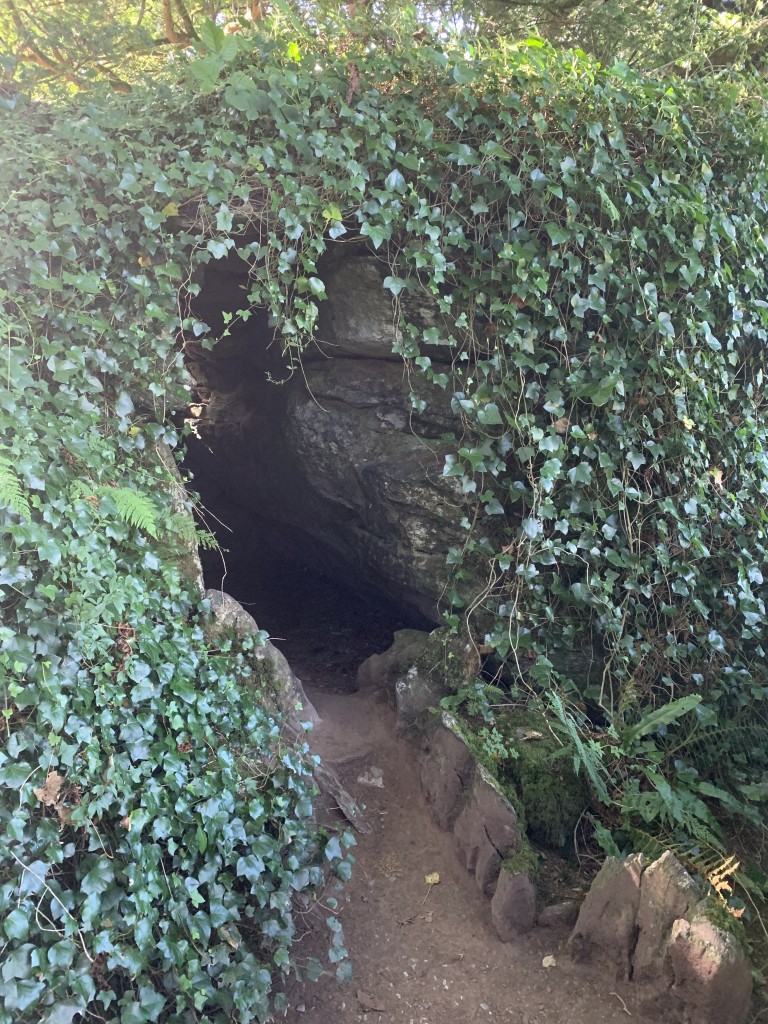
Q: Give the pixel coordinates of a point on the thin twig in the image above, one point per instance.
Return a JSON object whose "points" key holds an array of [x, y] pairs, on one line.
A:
{"points": [[623, 1004]]}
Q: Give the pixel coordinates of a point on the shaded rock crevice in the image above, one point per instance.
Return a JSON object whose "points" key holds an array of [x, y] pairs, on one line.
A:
{"points": [[339, 462]]}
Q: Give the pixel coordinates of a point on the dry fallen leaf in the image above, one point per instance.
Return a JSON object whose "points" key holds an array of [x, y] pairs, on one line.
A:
{"points": [[50, 793], [561, 425], [526, 735]]}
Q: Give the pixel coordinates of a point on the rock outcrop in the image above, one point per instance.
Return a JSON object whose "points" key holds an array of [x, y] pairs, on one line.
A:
{"points": [[339, 454], [651, 924]]}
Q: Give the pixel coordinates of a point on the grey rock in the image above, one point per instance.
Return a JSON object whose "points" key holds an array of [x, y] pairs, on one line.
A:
{"points": [[606, 929], [667, 892], [383, 670], [487, 868], [349, 469], [228, 614], [447, 768], [415, 693], [358, 317], [497, 814], [513, 907], [559, 915], [712, 978]]}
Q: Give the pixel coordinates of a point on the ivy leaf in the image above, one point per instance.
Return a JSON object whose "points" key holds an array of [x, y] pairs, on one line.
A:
{"points": [[100, 877], [62, 1013], [16, 925], [395, 182], [604, 391], [558, 234], [378, 233], [489, 415]]}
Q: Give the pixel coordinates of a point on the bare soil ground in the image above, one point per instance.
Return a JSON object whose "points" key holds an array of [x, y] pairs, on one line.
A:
{"points": [[421, 954], [428, 955]]}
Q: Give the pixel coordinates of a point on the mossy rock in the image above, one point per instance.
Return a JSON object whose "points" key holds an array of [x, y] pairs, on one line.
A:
{"points": [[717, 913], [524, 861], [552, 795], [450, 658]]}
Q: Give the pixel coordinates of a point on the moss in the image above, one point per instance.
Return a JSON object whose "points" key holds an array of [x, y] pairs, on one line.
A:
{"points": [[473, 742], [524, 861], [716, 912], [450, 658], [539, 781], [553, 796]]}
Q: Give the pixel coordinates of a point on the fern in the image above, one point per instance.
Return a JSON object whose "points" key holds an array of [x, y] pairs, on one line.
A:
{"points": [[182, 526], [134, 509], [11, 493], [588, 754]]}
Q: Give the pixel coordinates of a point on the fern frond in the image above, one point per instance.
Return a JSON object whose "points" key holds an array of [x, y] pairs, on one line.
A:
{"points": [[11, 493], [182, 527], [134, 508], [587, 753]]}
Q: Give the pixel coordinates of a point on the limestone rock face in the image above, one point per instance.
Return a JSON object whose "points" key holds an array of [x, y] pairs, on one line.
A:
{"points": [[372, 486], [358, 319], [338, 456]]}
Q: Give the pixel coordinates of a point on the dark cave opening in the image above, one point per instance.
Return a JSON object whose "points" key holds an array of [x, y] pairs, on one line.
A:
{"points": [[306, 543]]}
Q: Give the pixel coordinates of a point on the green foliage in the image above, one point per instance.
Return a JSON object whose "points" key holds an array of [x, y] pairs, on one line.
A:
{"points": [[135, 509], [593, 244], [11, 492], [545, 774]]}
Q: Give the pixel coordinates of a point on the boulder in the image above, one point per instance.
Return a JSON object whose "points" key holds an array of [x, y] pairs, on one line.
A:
{"points": [[447, 768], [486, 830], [227, 615], [416, 693], [667, 892], [606, 929], [712, 977], [559, 915], [383, 670], [513, 907]]}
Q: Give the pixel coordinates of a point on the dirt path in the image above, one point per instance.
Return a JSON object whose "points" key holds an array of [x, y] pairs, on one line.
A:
{"points": [[429, 956]]}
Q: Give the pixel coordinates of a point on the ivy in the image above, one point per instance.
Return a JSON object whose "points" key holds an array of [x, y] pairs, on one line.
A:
{"points": [[593, 242]]}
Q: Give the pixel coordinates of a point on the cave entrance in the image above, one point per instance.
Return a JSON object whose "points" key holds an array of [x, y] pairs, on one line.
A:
{"points": [[308, 543]]}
